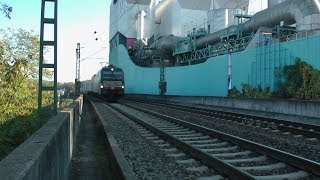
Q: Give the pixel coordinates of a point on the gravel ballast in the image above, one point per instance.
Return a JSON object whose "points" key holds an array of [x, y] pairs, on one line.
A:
{"points": [[145, 157], [299, 146]]}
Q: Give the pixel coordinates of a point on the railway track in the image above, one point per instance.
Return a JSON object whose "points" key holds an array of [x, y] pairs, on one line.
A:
{"points": [[233, 157], [148, 155], [311, 132]]}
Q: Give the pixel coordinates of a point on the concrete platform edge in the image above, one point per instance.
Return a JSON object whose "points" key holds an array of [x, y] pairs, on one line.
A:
{"points": [[292, 110]]}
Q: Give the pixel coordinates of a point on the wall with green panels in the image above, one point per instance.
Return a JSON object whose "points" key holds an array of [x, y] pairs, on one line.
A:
{"points": [[307, 49], [259, 66], [263, 66], [206, 79], [138, 80]]}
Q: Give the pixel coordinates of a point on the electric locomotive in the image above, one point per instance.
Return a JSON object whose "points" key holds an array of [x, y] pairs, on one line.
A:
{"points": [[108, 82]]}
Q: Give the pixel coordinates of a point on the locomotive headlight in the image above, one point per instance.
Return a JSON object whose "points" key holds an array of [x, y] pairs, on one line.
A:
{"points": [[122, 87], [101, 86]]}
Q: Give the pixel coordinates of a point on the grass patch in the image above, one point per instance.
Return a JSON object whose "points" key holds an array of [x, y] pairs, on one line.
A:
{"points": [[101, 156]]}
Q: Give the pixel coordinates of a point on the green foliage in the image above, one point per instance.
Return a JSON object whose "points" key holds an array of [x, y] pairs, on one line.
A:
{"points": [[13, 132], [234, 92], [302, 81], [18, 93], [6, 10], [250, 92], [19, 57], [65, 102], [68, 89]]}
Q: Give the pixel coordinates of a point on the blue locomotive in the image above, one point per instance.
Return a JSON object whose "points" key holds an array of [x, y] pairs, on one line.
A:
{"points": [[108, 82]]}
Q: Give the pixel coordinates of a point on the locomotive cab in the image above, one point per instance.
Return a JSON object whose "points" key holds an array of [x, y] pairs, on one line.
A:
{"points": [[112, 81]]}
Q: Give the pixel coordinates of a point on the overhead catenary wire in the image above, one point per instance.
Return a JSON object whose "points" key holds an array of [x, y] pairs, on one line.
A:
{"points": [[116, 20], [93, 54], [110, 25]]}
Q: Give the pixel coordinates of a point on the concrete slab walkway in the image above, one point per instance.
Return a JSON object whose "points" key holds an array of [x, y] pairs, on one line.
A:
{"points": [[89, 159]]}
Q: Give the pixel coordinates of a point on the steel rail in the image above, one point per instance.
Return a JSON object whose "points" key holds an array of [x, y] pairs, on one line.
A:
{"points": [[213, 162], [293, 160], [307, 130]]}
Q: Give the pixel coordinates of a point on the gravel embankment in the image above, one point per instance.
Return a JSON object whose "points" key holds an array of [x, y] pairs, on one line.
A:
{"points": [[147, 160], [296, 145]]}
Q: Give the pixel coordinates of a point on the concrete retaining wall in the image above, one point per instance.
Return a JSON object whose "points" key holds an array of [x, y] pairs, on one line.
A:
{"points": [[47, 153], [300, 111]]}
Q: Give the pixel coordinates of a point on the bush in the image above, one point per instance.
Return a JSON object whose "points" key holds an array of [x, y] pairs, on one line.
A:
{"points": [[302, 82], [250, 92]]}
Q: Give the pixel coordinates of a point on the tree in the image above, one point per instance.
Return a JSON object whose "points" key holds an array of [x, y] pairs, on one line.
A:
{"points": [[19, 57], [19, 60], [14, 76], [6, 10], [67, 87], [302, 81]]}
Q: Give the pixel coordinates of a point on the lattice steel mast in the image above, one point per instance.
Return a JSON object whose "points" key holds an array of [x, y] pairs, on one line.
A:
{"points": [[77, 80], [42, 65]]}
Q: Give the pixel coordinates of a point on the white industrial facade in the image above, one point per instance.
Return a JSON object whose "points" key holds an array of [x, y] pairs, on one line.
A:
{"points": [[124, 15], [154, 18], [175, 20], [146, 19]]}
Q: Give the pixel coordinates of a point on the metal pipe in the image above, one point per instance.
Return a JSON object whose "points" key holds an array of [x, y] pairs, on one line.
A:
{"points": [[165, 44], [306, 15]]}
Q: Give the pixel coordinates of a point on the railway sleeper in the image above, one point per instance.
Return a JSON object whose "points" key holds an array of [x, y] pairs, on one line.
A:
{"points": [[231, 155], [223, 149], [294, 175], [219, 144]]}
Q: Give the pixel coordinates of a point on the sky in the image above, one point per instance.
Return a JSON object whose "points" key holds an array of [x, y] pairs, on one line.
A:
{"points": [[77, 22]]}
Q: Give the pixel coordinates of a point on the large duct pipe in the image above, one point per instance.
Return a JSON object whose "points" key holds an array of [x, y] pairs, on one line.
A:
{"points": [[305, 13], [165, 44]]}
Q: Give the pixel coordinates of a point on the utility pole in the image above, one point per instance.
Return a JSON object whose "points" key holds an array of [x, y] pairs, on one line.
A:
{"points": [[77, 82], [51, 109], [162, 83], [229, 72]]}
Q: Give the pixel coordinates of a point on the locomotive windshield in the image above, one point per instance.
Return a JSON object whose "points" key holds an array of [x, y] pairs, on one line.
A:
{"points": [[112, 75]]}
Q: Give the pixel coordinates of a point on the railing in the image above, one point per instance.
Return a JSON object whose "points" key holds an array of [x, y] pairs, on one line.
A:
{"points": [[301, 34], [214, 50]]}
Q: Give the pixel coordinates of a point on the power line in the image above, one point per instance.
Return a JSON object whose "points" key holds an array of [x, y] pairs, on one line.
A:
{"points": [[95, 58], [93, 54], [118, 18]]}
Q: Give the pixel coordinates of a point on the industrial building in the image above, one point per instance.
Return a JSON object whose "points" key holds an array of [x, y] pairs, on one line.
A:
{"points": [[204, 48]]}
